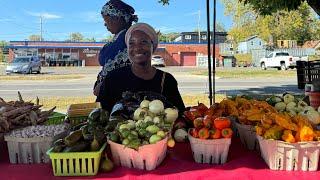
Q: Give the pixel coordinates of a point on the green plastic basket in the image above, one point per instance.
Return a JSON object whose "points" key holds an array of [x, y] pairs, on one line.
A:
{"points": [[73, 121], [55, 118], [76, 163]]}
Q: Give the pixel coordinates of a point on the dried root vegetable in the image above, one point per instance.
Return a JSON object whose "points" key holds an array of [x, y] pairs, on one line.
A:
{"points": [[16, 114]]}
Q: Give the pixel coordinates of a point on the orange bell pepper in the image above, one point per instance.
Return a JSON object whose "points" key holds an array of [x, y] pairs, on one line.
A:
{"points": [[222, 123], [215, 133], [198, 123], [194, 133], [204, 133], [226, 133], [207, 121]]}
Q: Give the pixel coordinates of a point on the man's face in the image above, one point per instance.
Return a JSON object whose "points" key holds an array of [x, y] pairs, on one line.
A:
{"points": [[140, 48]]}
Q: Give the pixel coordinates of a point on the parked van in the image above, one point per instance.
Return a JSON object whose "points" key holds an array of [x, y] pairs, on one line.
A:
{"points": [[24, 64]]}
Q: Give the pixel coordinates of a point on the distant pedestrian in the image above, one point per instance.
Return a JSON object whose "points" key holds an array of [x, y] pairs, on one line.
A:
{"points": [[118, 17]]}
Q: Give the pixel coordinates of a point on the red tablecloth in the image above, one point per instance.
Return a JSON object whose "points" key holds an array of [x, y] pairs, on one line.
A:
{"points": [[179, 164]]}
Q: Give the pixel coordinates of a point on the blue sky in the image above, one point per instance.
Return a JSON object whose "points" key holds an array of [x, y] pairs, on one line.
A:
{"points": [[21, 18]]}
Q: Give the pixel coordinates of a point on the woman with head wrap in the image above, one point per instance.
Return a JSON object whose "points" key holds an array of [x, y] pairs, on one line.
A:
{"points": [[142, 41], [118, 17]]}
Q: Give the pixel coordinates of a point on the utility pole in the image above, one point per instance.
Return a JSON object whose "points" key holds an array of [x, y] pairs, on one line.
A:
{"points": [[40, 27], [199, 34]]}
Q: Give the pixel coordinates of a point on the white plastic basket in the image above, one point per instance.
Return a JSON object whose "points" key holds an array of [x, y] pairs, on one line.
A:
{"points": [[211, 151], [233, 125], [280, 155], [30, 150], [247, 136], [148, 157]]}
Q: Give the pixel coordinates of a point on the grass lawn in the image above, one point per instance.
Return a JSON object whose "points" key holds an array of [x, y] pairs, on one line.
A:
{"points": [[62, 102], [248, 73]]}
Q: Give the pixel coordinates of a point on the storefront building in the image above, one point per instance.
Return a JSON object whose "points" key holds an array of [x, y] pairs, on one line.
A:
{"points": [[61, 53]]}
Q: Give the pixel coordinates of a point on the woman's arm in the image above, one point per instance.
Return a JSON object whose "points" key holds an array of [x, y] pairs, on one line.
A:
{"points": [[106, 94], [172, 93]]}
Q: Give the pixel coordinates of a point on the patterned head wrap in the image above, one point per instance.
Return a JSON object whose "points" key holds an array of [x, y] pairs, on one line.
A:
{"points": [[117, 8], [147, 29]]}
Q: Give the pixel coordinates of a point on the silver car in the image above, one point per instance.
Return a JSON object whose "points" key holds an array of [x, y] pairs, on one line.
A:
{"points": [[24, 64], [157, 61]]}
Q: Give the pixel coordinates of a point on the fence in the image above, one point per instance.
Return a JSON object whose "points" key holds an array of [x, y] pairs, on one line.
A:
{"points": [[202, 61], [257, 54]]}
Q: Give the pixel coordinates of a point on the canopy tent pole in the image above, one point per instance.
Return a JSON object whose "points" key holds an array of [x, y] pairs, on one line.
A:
{"points": [[214, 51], [209, 51]]}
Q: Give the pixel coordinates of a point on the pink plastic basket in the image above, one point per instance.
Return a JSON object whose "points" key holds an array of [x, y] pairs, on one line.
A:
{"points": [[147, 157]]}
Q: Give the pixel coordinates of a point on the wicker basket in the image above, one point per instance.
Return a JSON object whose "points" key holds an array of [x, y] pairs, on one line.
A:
{"points": [[247, 136], [78, 113], [279, 155], [148, 157], [84, 109], [211, 151]]}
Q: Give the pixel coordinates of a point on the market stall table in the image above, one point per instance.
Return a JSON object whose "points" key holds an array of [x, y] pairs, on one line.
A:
{"points": [[179, 164]]}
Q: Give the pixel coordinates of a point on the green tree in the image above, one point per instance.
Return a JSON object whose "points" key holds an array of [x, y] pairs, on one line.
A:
{"points": [[168, 37], [300, 24], [2, 45], [108, 39], [78, 37], [220, 27], [35, 37], [90, 39], [267, 7]]}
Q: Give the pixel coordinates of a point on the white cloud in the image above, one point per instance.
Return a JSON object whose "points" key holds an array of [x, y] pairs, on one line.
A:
{"points": [[45, 15], [5, 20]]}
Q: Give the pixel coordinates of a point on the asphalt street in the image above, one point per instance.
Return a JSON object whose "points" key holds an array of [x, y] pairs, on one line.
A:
{"points": [[188, 84]]}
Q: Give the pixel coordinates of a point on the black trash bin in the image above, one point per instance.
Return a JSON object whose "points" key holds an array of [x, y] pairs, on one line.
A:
{"points": [[307, 71]]}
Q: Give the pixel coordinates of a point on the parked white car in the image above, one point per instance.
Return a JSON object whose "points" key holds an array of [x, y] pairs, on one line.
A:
{"points": [[157, 61], [280, 60]]}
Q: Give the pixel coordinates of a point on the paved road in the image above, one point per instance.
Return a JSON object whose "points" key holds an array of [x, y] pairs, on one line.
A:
{"points": [[188, 84]]}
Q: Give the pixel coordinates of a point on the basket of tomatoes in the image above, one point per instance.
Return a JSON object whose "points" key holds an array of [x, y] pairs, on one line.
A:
{"points": [[210, 137]]}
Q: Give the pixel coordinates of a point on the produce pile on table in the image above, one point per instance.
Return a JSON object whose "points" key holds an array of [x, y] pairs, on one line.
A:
{"points": [[88, 136], [290, 120], [209, 123], [151, 123], [39, 131], [17, 114]]}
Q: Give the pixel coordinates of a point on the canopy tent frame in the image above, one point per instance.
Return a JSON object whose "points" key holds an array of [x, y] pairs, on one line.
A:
{"points": [[211, 69]]}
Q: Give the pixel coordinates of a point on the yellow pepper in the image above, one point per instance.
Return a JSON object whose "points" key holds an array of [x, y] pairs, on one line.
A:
{"points": [[288, 136]]}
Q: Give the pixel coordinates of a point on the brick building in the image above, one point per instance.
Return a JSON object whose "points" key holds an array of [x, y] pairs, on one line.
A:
{"points": [[61, 53]]}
